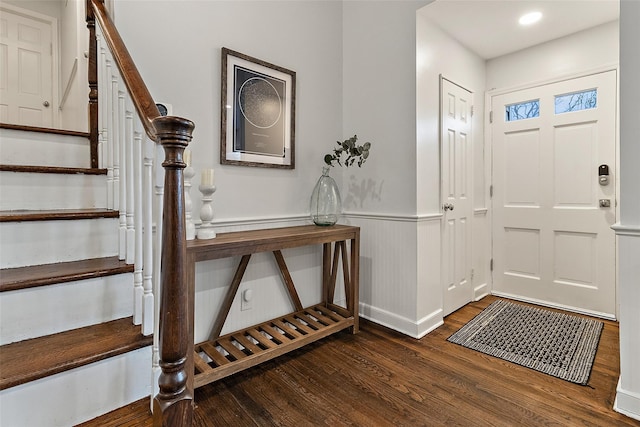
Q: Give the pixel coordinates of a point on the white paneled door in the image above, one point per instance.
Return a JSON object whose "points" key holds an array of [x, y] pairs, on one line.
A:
{"points": [[456, 169], [554, 194], [26, 68]]}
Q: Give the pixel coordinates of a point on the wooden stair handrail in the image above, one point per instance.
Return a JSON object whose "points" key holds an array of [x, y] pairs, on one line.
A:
{"points": [[142, 99], [173, 406]]}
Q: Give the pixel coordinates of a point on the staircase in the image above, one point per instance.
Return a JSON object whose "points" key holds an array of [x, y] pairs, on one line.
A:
{"points": [[69, 349]]}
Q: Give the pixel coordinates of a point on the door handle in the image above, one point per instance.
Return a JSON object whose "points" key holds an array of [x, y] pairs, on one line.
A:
{"points": [[447, 207], [46, 103]]}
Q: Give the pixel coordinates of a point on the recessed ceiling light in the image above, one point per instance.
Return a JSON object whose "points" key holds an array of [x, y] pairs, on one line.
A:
{"points": [[530, 18]]}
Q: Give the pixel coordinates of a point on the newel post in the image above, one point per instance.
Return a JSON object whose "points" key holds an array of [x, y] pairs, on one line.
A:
{"points": [[173, 406]]}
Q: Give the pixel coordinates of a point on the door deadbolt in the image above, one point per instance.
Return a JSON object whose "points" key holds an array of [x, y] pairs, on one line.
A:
{"points": [[603, 175]]}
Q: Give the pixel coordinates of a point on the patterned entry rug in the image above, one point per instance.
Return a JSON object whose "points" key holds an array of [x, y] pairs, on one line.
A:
{"points": [[555, 343]]}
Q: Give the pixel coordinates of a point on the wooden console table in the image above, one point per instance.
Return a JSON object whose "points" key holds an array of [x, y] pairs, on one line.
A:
{"points": [[222, 356]]}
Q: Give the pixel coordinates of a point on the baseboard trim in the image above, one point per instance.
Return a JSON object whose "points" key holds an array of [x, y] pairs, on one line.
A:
{"points": [[627, 403], [400, 323], [481, 291], [430, 322]]}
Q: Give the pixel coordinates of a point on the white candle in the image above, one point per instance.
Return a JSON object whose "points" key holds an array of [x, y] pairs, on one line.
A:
{"points": [[207, 177], [187, 157]]}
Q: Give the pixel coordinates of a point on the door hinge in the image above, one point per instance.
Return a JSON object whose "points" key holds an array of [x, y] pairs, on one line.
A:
{"points": [[490, 116], [491, 190], [491, 265], [472, 111]]}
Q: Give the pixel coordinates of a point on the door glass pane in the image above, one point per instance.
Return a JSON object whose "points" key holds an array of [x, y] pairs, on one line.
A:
{"points": [[576, 101], [522, 110]]}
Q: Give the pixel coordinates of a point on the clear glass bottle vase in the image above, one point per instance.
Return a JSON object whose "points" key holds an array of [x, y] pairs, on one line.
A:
{"points": [[326, 204]]}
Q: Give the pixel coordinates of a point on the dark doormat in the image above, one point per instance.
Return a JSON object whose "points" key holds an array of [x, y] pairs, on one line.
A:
{"points": [[558, 344]]}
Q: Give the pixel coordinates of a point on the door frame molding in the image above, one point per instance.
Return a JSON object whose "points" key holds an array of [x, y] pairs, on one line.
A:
{"points": [[489, 172]]}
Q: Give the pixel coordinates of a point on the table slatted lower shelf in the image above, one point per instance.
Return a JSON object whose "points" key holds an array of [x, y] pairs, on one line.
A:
{"points": [[243, 349]]}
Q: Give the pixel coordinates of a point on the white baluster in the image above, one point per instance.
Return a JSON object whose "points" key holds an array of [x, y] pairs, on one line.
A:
{"points": [[120, 173], [135, 178], [102, 131], [130, 185], [159, 196], [189, 173], [148, 306], [106, 93]]}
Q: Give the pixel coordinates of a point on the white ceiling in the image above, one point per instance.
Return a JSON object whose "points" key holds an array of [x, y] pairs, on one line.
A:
{"points": [[490, 27]]}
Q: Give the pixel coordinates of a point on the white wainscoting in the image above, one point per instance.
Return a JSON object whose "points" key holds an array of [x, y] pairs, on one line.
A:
{"points": [[400, 271], [628, 391], [481, 253]]}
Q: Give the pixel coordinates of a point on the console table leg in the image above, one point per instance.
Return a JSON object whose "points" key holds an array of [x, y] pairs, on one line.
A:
{"points": [[231, 293], [352, 304], [326, 271]]}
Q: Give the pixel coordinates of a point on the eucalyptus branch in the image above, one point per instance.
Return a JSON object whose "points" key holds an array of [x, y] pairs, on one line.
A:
{"points": [[354, 153]]}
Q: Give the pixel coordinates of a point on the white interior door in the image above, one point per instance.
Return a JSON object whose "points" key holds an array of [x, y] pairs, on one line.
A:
{"points": [[552, 241], [26, 69], [456, 167]]}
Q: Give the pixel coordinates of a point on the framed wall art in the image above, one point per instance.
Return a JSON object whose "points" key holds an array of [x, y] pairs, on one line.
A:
{"points": [[258, 113]]}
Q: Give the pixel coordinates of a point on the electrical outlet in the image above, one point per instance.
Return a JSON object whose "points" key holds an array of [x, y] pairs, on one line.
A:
{"points": [[246, 300]]}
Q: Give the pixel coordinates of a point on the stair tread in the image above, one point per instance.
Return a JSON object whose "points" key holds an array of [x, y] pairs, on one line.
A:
{"points": [[44, 130], [56, 214], [37, 358], [12, 279], [52, 169]]}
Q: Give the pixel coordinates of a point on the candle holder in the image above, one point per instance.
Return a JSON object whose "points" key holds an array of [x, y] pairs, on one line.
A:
{"points": [[189, 173], [206, 230]]}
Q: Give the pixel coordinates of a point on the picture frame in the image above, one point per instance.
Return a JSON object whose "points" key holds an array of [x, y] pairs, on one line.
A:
{"points": [[258, 112]]}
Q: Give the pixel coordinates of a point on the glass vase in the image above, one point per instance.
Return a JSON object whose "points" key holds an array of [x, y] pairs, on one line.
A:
{"points": [[326, 204]]}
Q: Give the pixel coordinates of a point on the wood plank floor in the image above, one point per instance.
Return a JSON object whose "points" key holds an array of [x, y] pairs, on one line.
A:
{"points": [[382, 378]]}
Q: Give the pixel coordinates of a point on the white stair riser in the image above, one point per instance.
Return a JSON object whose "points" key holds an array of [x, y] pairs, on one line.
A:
{"points": [[45, 242], [37, 191], [42, 149], [45, 310], [78, 395]]}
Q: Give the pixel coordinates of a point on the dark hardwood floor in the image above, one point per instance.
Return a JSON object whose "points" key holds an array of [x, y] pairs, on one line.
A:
{"points": [[382, 378]]}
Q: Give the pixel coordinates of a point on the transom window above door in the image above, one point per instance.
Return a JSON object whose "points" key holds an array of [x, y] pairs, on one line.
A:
{"points": [[576, 101], [522, 110]]}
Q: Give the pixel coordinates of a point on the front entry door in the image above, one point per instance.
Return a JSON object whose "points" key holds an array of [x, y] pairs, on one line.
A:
{"points": [[553, 146], [26, 68], [456, 167]]}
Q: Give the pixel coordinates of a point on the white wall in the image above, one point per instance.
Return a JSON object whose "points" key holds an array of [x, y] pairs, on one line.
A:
{"points": [[628, 229], [395, 197], [356, 65], [177, 48], [576, 53], [379, 103], [74, 42], [439, 54], [49, 8]]}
